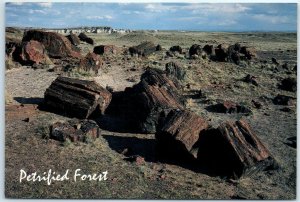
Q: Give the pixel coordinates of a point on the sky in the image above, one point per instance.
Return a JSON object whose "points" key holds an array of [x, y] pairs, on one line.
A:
{"points": [[156, 16]]}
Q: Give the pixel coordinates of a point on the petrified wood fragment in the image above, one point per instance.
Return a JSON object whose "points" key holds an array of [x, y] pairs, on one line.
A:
{"points": [[180, 131], [78, 98], [233, 149]]}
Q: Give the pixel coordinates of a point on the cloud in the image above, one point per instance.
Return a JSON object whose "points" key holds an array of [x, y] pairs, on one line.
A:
{"points": [[45, 4], [105, 17], [32, 11], [273, 19], [158, 8]]}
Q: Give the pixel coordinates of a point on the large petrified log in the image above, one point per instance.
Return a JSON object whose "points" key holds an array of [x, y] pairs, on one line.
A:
{"points": [[173, 69], [33, 52], [153, 97], [83, 37], [179, 132], [233, 149], [144, 49], [74, 39], [77, 98], [91, 63], [57, 46]]}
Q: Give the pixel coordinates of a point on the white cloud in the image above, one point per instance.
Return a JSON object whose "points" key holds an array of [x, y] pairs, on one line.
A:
{"points": [[45, 4], [273, 19], [159, 8], [32, 11], [105, 17]]}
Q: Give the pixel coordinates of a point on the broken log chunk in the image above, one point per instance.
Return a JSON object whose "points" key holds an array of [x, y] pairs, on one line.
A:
{"points": [[75, 97], [144, 49], [234, 150], [179, 132], [173, 69], [75, 130], [144, 103]]}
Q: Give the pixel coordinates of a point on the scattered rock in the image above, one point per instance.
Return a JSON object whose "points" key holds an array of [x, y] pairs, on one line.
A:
{"points": [[256, 104], [229, 107], [195, 50], [105, 49], [83, 37], [78, 98], [74, 39], [144, 49], [250, 53], [289, 84], [251, 79], [283, 100], [158, 48], [221, 53], [87, 132], [274, 60], [291, 141], [174, 70], [209, 49], [92, 63], [176, 49], [57, 46]]}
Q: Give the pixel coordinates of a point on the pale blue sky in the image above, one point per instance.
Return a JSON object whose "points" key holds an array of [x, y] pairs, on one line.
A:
{"points": [[162, 16]]}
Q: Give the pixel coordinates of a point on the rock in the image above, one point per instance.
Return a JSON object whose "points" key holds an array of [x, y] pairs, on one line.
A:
{"points": [[57, 46], [144, 49], [174, 70], [169, 54], [83, 37], [88, 132], [233, 53], [234, 150], [251, 79], [256, 104], [105, 49], [209, 49], [274, 60], [74, 39], [283, 100], [221, 53], [250, 53], [289, 84], [176, 49], [291, 141], [179, 132], [77, 98], [158, 48], [137, 159], [229, 107], [147, 102], [91, 63], [195, 50], [33, 52]]}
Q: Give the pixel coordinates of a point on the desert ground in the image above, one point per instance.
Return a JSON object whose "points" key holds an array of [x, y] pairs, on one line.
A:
{"points": [[28, 146]]}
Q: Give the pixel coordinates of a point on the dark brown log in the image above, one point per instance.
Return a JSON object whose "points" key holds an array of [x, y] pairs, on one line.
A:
{"points": [[75, 130], [143, 49], [78, 98], [180, 131], [154, 96], [234, 150]]}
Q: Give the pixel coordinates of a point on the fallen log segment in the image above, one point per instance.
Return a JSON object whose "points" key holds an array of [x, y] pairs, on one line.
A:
{"points": [[233, 149], [180, 130], [77, 98]]}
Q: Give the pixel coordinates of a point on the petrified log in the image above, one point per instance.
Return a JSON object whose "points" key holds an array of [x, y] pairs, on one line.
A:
{"points": [[77, 98], [74, 39], [175, 70], [83, 37], [289, 84], [57, 46], [234, 150], [153, 97], [195, 49], [91, 63], [105, 49], [144, 49], [179, 132], [33, 52], [75, 130], [176, 49]]}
